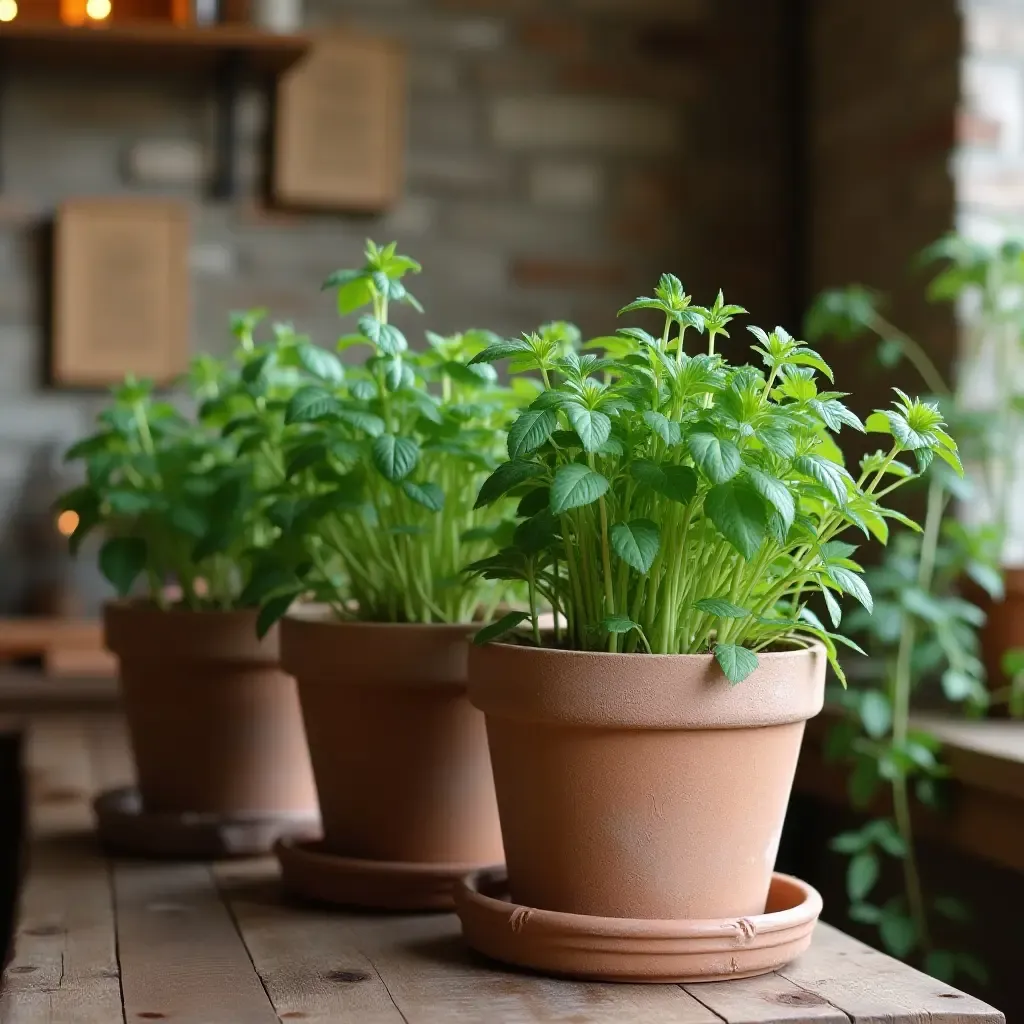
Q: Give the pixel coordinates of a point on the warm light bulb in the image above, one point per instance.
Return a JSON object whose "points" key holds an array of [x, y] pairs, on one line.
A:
{"points": [[8, 10], [97, 9], [67, 521]]}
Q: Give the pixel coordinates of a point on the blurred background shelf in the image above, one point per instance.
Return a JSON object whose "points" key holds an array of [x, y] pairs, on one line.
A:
{"points": [[145, 44]]}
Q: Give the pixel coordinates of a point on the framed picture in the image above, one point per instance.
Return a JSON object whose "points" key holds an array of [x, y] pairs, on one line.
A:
{"points": [[340, 127], [120, 294]]}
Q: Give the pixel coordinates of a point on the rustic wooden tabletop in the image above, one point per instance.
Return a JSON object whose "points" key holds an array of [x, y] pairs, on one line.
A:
{"points": [[100, 940]]}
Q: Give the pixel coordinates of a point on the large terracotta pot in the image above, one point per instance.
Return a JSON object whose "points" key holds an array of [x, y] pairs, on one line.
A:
{"points": [[399, 753], [215, 724], [642, 786]]}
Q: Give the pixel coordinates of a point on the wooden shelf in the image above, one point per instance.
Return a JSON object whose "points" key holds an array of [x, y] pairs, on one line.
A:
{"points": [[149, 44]]}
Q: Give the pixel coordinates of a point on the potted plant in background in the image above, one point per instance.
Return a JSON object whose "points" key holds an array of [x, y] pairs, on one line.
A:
{"points": [[679, 514], [929, 627], [376, 470], [215, 724]]}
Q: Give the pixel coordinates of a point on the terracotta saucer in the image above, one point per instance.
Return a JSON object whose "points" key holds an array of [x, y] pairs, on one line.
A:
{"points": [[618, 949], [309, 871], [125, 827]]}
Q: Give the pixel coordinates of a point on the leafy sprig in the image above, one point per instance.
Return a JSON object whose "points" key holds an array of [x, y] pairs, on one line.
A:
{"points": [[370, 472], [677, 503]]}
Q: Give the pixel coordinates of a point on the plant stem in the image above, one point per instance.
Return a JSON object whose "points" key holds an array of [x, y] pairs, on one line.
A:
{"points": [[902, 685]]}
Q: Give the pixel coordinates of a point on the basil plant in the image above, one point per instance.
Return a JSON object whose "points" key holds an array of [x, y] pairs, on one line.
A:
{"points": [[172, 497], [370, 472], [673, 502]]}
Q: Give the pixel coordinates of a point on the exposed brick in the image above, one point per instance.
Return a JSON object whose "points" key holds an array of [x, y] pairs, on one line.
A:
{"points": [[569, 184], [679, 10], [444, 122], [564, 122], [167, 162], [516, 73], [565, 37], [457, 173], [633, 78], [545, 273], [431, 72]]}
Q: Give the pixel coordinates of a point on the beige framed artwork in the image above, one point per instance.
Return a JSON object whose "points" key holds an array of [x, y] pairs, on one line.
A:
{"points": [[120, 294], [339, 128]]}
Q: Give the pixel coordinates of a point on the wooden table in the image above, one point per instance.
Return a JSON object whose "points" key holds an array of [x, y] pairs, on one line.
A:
{"points": [[100, 941]]}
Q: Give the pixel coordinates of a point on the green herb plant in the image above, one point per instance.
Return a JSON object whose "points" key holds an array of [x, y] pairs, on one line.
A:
{"points": [[923, 628], [673, 502], [370, 471], [170, 496]]}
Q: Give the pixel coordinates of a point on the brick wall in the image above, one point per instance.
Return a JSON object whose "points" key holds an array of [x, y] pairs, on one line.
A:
{"points": [[884, 90], [560, 155]]}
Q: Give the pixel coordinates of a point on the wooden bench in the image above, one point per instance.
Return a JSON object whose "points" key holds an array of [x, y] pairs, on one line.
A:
{"points": [[99, 941]]}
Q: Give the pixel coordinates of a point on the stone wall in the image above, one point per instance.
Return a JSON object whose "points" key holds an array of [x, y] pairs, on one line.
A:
{"points": [[559, 156]]}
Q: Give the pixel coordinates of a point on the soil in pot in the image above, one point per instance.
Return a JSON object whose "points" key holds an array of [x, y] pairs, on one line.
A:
{"points": [[642, 786], [215, 723], [399, 753]]}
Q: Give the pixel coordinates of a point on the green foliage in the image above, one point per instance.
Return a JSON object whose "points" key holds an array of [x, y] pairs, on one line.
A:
{"points": [[923, 630], [676, 502], [371, 471], [172, 497]]}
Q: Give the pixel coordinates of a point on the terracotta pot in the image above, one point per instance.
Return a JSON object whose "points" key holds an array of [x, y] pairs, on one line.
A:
{"points": [[642, 786], [215, 724], [399, 753]]}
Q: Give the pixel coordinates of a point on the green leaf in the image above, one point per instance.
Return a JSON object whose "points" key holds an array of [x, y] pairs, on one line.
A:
{"points": [[121, 559], [273, 610], [866, 913], [778, 442], [775, 492], [504, 478], [878, 423], [593, 427], [680, 483], [636, 543], [321, 363], [304, 457], [898, 934], [530, 431], [720, 460], [264, 581], [721, 608], [500, 350], [875, 713], [618, 624], [388, 338], [739, 513], [849, 842], [851, 583], [395, 457], [668, 430], [129, 503], [737, 662], [830, 475], [498, 629], [958, 685], [861, 875], [428, 495], [367, 422], [310, 403], [575, 485]]}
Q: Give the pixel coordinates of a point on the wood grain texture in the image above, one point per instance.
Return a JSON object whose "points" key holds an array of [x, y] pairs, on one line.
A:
{"points": [[180, 954], [201, 944], [873, 988], [64, 966], [389, 969]]}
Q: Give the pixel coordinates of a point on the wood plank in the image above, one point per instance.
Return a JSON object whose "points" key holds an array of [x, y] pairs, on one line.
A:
{"points": [[986, 754], [180, 954], [64, 965], [387, 969], [771, 998], [872, 988]]}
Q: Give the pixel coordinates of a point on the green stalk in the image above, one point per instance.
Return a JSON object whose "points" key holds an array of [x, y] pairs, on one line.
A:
{"points": [[902, 685]]}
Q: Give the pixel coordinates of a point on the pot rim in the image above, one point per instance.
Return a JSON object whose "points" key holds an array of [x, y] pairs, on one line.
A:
{"points": [[321, 615], [815, 646], [147, 605]]}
